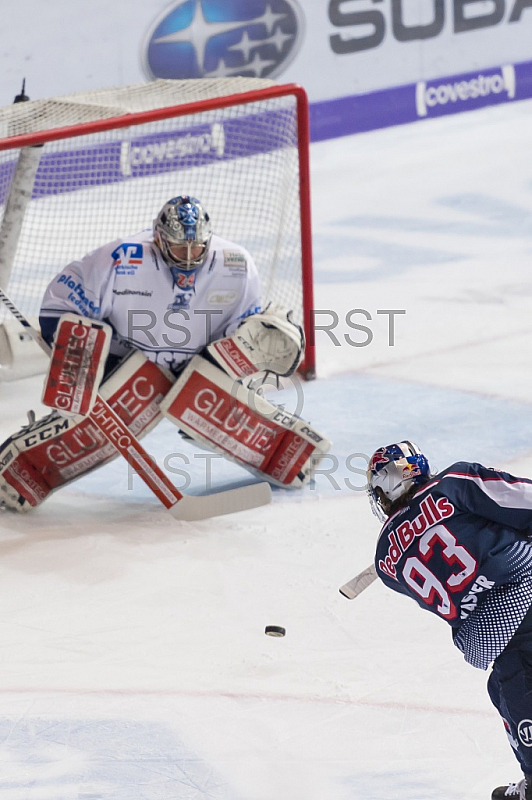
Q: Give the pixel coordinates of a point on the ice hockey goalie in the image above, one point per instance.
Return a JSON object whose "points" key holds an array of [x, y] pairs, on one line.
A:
{"points": [[172, 319], [210, 402]]}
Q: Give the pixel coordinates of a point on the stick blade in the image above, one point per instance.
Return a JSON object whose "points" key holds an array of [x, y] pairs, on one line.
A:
{"points": [[347, 591], [356, 585], [192, 508]]}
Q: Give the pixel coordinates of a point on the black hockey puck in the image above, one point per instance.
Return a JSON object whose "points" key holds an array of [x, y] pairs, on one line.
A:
{"points": [[274, 630]]}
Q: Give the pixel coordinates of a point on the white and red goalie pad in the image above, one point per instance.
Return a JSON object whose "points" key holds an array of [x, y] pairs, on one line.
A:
{"points": [[55, 451], [230, 419], [80, 349]]}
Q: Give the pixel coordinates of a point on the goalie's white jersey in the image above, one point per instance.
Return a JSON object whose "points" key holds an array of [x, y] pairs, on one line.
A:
{"points": [[167, 314]]}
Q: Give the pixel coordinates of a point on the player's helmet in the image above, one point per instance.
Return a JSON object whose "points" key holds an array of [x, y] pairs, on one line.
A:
{"points": [[392, 471], [182, 231]]}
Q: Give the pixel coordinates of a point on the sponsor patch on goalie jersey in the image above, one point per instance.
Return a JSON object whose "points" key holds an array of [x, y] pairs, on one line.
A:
{"points": [[127, 257], [132, 291], [7, 458], [77, 295], [180, 301], [221, 298], [235, 261]]}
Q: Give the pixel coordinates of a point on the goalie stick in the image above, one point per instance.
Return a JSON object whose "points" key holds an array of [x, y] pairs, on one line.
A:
{"points": [[180, 506], [356, 585]]}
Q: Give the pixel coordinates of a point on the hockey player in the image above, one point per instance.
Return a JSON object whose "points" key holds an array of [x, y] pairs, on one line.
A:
{"points": [[179, 309], [166, 292], [460, 544]]}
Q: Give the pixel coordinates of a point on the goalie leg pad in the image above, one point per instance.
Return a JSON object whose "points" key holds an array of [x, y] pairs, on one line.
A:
{"points": [[54, 451], [21, 488], [22, 483], [230, 419]]}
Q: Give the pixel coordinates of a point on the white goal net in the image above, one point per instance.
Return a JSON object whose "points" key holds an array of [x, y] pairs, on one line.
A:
{"points": [[106, 161]]}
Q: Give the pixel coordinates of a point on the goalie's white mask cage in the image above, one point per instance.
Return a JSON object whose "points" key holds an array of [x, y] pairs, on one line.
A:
{"points": [[81, 170]]}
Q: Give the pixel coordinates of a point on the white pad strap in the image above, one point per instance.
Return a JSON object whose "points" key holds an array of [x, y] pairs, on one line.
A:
{"points": [[231, 419], [269, 341]]}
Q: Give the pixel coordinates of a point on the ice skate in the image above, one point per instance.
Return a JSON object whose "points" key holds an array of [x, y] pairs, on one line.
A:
{"points": [[517, 791]]}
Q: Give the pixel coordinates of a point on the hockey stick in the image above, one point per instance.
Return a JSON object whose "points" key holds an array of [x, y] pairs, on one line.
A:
{"points": [[356, 585], [181, 506], [19, 196]]}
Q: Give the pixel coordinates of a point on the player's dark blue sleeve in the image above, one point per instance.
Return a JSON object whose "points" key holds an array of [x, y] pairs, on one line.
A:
{"points": [[489, 493], [48, 327]]}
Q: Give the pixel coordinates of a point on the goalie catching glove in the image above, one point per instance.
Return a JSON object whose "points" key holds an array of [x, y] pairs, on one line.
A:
{"points": [[266, 342]]}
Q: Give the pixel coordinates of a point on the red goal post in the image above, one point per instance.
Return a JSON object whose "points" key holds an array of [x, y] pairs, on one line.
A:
{"points": [[81, 170]]}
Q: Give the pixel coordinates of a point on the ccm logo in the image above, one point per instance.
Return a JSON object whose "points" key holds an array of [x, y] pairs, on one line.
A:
{"points": [[288, 420]]}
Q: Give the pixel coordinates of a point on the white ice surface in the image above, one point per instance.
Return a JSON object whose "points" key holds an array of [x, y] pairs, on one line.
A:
{"points": [[133, 660]]}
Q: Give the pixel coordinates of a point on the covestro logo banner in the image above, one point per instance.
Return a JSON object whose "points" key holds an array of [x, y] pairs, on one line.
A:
{"points": [[464, 92]]}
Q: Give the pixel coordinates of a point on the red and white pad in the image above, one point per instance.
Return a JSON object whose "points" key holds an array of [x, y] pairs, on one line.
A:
{"points": [[54, 451], [230, 419], [78, 358]]}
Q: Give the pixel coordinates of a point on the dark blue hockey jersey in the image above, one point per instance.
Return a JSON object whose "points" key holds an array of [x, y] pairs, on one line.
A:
{"points": [[462, 549]]}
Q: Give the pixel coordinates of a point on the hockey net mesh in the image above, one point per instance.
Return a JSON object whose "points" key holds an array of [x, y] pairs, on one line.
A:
{"points": [[241, 161]]}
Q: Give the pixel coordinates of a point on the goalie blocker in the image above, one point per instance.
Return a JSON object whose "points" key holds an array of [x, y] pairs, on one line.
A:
{"points": [[79, 353]]}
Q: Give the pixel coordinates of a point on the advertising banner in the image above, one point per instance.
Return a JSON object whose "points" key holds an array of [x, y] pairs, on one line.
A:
{"points": [[452, 54], [421, 100]]}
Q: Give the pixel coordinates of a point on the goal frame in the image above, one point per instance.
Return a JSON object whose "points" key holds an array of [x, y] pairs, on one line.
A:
{"points": [[307, 368]]}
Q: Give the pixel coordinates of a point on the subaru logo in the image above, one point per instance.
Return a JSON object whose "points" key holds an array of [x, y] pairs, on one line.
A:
{"points": [[222, 38]]}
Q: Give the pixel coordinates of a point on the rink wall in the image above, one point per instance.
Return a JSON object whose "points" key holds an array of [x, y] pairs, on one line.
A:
{"points": [[422, 100], [364, 63]]}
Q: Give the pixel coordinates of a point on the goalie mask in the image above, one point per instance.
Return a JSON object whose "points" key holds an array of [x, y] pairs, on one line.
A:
{"points": [[392, 471], [182, 231]]}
